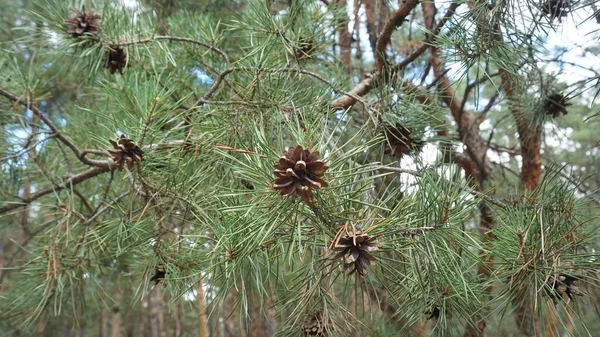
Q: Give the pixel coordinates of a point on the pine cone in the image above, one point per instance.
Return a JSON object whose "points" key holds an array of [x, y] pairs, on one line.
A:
{"points": [[116, 60], [159, 273], [556, 9], [305, 49], [399, 141], [315, 326], [298, 172], [556, 104], [433, 312], [564, 285], [83, 23], [126, 152], [354, 247]]}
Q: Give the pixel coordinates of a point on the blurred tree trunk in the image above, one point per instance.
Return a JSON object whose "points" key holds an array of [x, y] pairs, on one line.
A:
{"points": [[115, 322], [203, 327], [103, 330], [344, 38]]}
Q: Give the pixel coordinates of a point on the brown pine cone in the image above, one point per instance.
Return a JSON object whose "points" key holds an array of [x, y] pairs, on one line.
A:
{"points": [[354, 248], [127, 152], [83, 23], [116, 60], [400, 142], [298, 172]]}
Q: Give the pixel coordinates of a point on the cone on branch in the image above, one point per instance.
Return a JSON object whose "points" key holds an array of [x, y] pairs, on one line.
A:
{"points": [[83, 23], [159, 273], [353, 247], [306, 49], [126, 152], [116, 59], [298, 172], [400, 141], [556, 9], [556, 105], [315, 326], [563, 285]]}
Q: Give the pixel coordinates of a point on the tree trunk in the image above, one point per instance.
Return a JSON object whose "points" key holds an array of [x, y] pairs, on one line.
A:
{"points": [[344, 38], [203, 328]]}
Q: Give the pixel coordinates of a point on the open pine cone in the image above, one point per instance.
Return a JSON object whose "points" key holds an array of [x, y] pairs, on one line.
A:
{"points": [[556, 105], [354, 248], [116, 60], [83, 23], [127, 152], [400, 141], [564, 285], [298, 172]]}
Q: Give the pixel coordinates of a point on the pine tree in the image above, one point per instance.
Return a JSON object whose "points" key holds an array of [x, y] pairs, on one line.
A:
{"points": [[298, 168]]}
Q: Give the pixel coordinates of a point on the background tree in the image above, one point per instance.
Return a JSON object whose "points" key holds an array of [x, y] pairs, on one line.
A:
{"points": [[316, 168]]}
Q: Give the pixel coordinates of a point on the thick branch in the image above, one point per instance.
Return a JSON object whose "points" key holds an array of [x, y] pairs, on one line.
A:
{"points": [[371, 81], [386, 34], [344, 38]]}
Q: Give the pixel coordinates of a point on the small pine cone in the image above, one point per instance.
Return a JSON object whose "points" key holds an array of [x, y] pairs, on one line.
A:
{"points": [[556, 9], [315, 326], [556, 105], [127, 152], [83, 23], [564, 285], [298, 172], [354, 248], [159, 273], [400, 141], [305, 49], [116, 60], [433, 312]]}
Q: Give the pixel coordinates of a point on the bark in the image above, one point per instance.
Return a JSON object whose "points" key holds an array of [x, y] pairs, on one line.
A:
{"points": [[371, 23], [529, 137], [156, 309], [203, 327], [141, 320], [356, 33], [115, 322], [103, 323], [386, 34], [344, 38], [178, 315]]}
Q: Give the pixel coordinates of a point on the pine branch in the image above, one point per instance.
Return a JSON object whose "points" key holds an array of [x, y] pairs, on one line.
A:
{"points": [[72, 181], [173, 38], [374, 79], [80, 154]]}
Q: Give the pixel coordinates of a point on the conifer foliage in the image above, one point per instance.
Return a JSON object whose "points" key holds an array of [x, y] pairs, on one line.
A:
{"points": [[298, 168]]}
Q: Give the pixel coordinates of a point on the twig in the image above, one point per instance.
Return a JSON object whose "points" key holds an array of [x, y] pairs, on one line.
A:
{"points": [[72, 181], [173, 38], [419, 174], [79, 153]]}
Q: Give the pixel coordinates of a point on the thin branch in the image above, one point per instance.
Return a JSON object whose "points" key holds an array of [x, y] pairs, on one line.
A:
{"points": [[173, 38], [72, 181], [79, 153], [30, 147], [484, 196]]}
